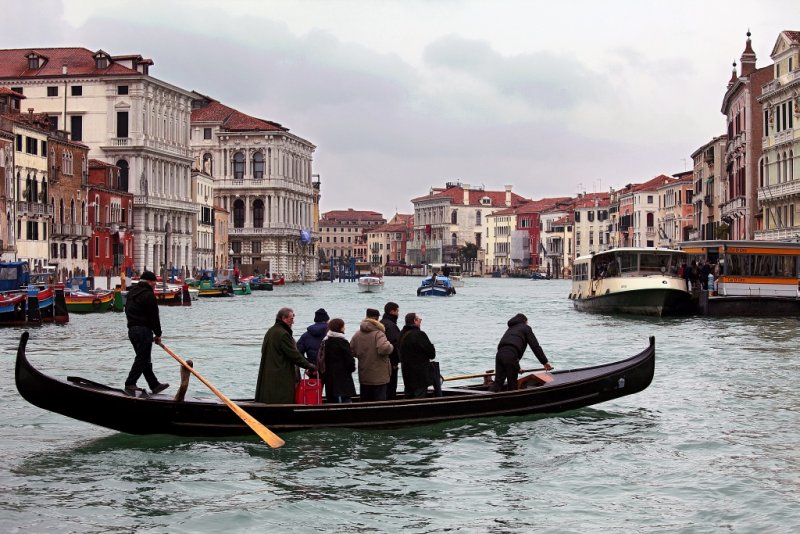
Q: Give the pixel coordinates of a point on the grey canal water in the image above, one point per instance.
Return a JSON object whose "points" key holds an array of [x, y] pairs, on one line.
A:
{"points": [[710, 446]]}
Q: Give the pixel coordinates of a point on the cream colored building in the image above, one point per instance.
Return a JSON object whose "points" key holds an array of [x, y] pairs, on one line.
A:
{"points": [[203, 242], [127, 118], [263, 176], [344, 233], [590, 228], [779, 168], [449, 218], [675, 219], [709, 183], [33, 211], [499, 228]]}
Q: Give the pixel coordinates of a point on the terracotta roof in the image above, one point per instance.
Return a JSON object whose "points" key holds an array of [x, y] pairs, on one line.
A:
{"points": [[40, 121], [349, 215], [98, 163], [538, 206], [505, 211], [7, 91], [793, 36], [456, 195], [231, 119], [79, 62], [654, 183], [588, 200]]}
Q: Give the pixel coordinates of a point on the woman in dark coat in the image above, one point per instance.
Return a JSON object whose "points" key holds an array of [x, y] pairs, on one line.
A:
{"points": [[416, 352], [337, 364]]}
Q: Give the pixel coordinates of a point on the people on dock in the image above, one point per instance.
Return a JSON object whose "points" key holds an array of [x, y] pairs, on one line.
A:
{"points": [[416, 354], [144, 327], [510, 349], [337, 364], [372, 350], [309, 342], [391, 312], [277, 374]]}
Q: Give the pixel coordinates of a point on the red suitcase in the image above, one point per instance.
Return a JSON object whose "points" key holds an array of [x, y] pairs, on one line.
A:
{"points": [[308, 391]]}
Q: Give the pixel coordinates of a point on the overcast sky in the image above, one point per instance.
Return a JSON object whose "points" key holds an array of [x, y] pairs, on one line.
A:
{"points": [[551, 97]]}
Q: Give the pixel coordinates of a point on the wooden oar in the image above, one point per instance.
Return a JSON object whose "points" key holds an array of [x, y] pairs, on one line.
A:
{"points": [[272, 439], [487, 373]]}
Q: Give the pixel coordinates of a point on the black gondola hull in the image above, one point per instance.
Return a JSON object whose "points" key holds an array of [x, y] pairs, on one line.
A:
{"points": [[160, 414]]}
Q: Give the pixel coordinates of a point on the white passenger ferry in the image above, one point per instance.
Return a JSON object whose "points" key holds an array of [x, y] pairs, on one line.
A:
{"points": [[643, 281]]}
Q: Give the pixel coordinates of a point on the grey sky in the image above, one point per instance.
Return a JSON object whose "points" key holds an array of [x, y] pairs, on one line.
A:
{"points": [[400, 96]]}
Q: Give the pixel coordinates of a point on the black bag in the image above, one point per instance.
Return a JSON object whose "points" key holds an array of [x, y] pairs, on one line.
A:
{"points": [[435, 378]]}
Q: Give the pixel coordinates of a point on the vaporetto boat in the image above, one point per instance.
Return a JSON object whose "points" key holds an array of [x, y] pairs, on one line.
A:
{"points": [[635, 280]]}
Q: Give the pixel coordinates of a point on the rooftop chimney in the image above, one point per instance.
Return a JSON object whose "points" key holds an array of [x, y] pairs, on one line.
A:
{"points": [[508, 195], [466, 194]]}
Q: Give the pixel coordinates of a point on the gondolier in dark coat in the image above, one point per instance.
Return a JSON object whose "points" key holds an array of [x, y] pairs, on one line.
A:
{"points": [[337, 365], [144, 327], [279, 356], [391, 311], [416, 354], [510, 349]]}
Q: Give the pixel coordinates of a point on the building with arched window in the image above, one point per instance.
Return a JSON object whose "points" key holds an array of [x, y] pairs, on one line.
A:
{"points": [[127, 118], [262, 176], [779, 170]]}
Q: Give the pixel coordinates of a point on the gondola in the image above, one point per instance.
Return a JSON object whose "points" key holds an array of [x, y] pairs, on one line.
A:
{"points": [[110, 407]]}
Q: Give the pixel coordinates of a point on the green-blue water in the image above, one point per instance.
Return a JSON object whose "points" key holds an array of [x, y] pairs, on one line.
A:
{"points": [[710, 446]]}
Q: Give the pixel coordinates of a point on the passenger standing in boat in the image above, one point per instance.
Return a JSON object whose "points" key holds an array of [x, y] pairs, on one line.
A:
{"points": [[372, 350], [391, 312], [337, 364], [309, 342], [509, 352], [144, 327], [416, 354], [277, 375]]}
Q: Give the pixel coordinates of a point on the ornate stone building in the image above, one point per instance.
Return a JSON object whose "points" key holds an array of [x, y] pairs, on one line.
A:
{"points": [[262, 175], [779, 170], [127, 118]]}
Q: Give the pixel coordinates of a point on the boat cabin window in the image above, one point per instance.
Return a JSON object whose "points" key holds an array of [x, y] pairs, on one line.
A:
{"points": [[581, 271], [765, 265], [628, 262]]}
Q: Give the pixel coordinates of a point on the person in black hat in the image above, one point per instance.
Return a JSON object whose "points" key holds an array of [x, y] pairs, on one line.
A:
{"points": [[309, 342], [144, 327], [509, 352], [391, 312]]}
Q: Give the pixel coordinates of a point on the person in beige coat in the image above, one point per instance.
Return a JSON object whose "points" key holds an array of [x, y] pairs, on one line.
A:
{"points": [[372, 350]]}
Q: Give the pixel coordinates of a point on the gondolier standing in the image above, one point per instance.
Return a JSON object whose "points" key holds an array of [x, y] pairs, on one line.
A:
{"points": [[144, 327], [510, 349]]}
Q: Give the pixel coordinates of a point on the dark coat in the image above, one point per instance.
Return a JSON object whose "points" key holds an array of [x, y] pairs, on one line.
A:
{"points": [[389, 322], [416, 352], [141, 308], [519, 336], [339, 368], [309, 342], [276, 375]]}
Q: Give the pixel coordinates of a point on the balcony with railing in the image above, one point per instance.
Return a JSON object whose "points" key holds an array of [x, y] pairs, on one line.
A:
{"points": [[778, 191], [269, 229], [734, 206], [778, 234], [70, 230], [34, 208]]}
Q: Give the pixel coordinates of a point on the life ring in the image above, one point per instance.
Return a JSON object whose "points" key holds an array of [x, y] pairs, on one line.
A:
{"points": [[96, 304]]}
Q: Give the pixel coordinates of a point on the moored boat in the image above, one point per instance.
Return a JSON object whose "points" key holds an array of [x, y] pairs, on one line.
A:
{"points": [[41, 301], [641, 281], [97, 301], [370, 284], [110, 407]]}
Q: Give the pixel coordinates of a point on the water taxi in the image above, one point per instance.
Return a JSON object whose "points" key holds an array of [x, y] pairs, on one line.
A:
{"points": [[449, 270], [436, 286], [370, 284], [751, 278], [642, 281]]}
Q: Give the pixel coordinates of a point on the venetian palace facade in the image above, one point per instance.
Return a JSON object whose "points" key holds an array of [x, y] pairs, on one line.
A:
{"points": [[262, 176]]}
